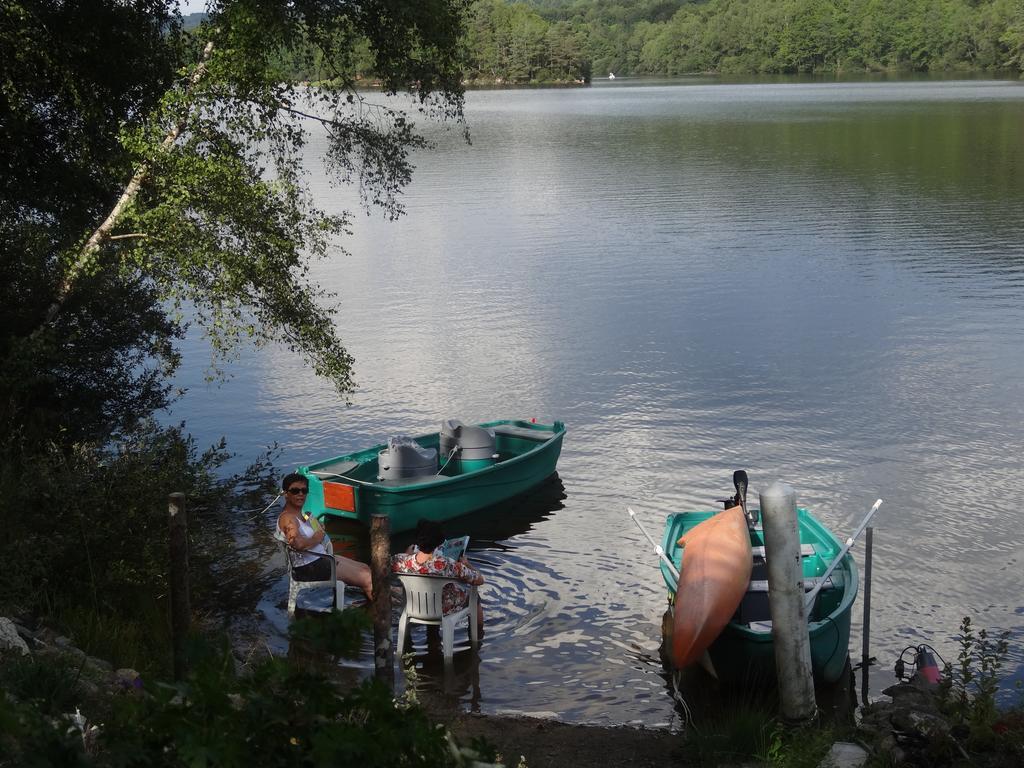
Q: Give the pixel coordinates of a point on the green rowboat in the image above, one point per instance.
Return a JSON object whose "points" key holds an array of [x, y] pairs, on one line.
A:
{"points": [[744, 652], [437, 476]]}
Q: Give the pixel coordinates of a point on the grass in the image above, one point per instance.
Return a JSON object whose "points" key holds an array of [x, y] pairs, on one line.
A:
{"points": [[141, 642]]}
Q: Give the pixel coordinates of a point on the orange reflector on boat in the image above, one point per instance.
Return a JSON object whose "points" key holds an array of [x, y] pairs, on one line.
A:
{"points": [[340, 496]]}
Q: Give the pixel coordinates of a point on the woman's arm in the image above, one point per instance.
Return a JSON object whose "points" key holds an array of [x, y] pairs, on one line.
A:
{"points": [[467, 573], [290, 528]]}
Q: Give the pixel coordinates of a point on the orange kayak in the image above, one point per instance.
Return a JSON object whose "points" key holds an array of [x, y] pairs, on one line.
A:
{"points": [[714, 577]]}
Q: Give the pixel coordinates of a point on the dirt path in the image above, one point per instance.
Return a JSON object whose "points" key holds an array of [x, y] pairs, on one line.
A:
{"points": [[550, 744]]}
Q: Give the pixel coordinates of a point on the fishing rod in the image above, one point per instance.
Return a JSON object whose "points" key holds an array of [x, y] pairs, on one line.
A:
{"points": [[657, 547], [842, 553]]}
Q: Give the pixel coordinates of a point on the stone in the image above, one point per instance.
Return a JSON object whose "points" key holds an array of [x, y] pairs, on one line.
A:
{"points": [[923, 725], [845, 754], [100, 664], [10, 640]]}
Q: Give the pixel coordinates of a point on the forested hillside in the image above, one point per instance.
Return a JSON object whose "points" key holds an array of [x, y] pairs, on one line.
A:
{"points": [[554, 40]]}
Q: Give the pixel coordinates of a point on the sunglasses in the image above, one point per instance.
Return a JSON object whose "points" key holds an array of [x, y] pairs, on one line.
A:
{"points": [[297, 491]]}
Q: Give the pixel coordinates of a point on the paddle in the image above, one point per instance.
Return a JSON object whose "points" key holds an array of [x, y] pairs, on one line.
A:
{"points": [[657, 547], [842, 553], [739, 481]]}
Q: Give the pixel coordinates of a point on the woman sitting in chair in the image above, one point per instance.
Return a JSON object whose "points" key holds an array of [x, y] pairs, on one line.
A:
{"points": [[422, 560], [301, 534]]}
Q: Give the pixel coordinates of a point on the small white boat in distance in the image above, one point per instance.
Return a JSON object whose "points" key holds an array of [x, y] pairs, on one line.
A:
{"points": [[611, 75]]}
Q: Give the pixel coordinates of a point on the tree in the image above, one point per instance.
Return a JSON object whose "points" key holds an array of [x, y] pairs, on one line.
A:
{"points": [[214, 213], [72, 75]]}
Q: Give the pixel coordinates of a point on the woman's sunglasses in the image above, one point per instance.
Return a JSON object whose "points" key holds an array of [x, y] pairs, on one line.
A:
{"points": [[297, 491]]}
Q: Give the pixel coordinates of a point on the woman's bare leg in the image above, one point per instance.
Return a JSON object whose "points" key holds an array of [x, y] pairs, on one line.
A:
{"points": [[355, 573]]}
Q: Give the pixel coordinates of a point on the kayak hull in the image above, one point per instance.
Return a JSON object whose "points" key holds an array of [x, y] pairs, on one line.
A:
{"points": [[714, 574]]}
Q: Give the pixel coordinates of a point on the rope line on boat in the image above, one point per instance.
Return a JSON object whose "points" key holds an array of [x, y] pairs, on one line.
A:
{"points": [[450, 455], [678, 697], [346, 478], [260, 512]]}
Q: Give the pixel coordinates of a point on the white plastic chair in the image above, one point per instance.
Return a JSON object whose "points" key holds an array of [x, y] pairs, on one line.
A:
{"points": [[423, 606], [295, 586]]}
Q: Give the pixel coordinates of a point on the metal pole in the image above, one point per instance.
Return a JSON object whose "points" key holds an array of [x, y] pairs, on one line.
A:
{"points": [[181, 613], [790, 637], [842, 553], [865, 657], [657, 547], [380, 565]]}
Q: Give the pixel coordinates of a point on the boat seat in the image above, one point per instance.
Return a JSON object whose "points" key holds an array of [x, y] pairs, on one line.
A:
{"points": [[421, 480], [754, 607], [508, 430], [806, 550], [832, 582]]}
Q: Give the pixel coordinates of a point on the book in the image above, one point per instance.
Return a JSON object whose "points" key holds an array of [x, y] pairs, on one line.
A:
{"points": [[454, 548]]}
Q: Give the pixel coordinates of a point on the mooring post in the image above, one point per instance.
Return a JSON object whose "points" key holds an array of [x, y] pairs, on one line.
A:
{"points": [[786, 603], [380, 564], [865, 654], [181, 612]]}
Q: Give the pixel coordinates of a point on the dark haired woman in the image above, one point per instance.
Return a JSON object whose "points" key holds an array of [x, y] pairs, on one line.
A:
{"points": [[303, 533], [424, 559]]}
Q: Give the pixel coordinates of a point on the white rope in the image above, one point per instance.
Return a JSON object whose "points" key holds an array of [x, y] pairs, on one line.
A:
{"points": [[450, 455], [687, 712]]}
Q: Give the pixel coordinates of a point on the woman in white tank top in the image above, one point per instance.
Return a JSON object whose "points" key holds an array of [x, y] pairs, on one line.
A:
{"points": [[304, 534]]}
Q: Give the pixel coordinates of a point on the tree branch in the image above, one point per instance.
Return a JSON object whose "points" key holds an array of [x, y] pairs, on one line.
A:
{"points": [[102, 233]]}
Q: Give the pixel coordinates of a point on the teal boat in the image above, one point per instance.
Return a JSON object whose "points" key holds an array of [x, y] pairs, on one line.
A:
{"points": [[439, 476], [743, 651]]}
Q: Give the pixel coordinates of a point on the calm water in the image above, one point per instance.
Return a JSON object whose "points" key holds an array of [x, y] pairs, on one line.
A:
{"points": [[819, 283]]}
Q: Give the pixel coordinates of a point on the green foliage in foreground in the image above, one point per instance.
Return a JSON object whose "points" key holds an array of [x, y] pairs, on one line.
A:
{"points": [[86, 538], [969, 688], [749, 731], [277, 714]]}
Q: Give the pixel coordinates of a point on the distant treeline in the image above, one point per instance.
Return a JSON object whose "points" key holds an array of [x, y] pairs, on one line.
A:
{"points": [[790, 36], [556, 41]]}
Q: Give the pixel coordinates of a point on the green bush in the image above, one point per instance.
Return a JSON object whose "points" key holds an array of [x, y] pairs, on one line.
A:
{"points": [[279, 713]]}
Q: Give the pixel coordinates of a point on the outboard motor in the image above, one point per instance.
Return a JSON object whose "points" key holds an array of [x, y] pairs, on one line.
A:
{"points": [[466, 448], [405, 458]]}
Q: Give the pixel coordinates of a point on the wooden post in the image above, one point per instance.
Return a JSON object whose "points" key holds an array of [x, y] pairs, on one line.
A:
{"points": [[865, 653], [380, 564], [181, 611], [790, 635]]}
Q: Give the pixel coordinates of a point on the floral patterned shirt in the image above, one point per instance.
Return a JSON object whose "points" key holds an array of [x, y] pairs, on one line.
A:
{"points": [[453, 596]]}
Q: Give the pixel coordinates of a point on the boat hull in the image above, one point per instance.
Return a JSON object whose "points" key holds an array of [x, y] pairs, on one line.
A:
{"points": [[744, 651], [347, 486]]}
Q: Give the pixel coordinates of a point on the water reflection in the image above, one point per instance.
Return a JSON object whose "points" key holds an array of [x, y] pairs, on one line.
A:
{"points": [[821, 283]]}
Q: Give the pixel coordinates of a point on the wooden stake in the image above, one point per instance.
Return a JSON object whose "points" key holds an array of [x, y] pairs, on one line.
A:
{"points": [[181, 611], [790, 636], [380, 565]]}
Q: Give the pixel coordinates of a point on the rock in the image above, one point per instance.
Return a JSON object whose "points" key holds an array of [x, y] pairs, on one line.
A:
{"points": [[912, 696], [10, 640], [100, 664], [845, 755], [922, 725]]}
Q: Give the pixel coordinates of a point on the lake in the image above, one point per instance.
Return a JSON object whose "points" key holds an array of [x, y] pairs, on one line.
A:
{"points": [[820, 283]]}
